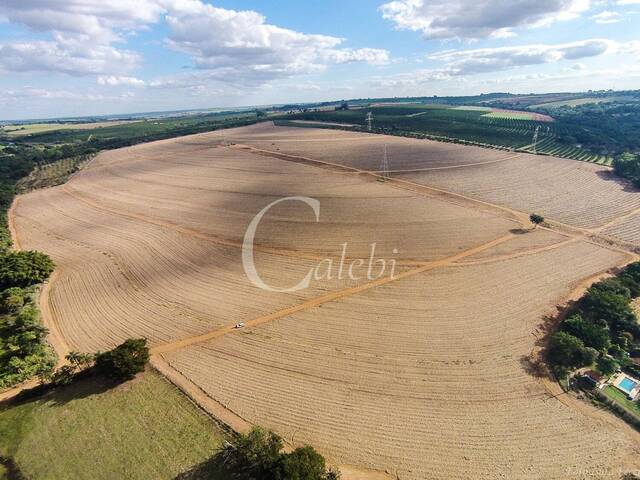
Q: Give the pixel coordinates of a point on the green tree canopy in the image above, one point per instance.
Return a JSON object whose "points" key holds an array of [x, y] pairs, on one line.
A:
{"points": [[567, 351], [22, 269], [607, 365], [610, 301], [536, 219], [593, 334], [303, 463], [125, 360]]}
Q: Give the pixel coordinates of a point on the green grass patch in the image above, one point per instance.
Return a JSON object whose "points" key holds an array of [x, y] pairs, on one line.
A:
{"points": [[141, 429], [473, 108], [621, 399], [511, 115]]}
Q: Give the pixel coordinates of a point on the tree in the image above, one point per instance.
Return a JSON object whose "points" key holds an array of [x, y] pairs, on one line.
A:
{"points": [[633, 270], [303, 463], [12, 300], [536, 219], [607, 365], [125, 360], [64, 375], [567, 351], [610, 302], [79, 360], [256, 453], [22, 269], [611, 285], [627, 165], [593, 334]]}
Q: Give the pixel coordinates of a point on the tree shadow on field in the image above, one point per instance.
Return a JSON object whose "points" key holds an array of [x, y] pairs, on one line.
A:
{"points": [[520, 231], [214, 468], [535, 364], [609, 176], [83, 387]]}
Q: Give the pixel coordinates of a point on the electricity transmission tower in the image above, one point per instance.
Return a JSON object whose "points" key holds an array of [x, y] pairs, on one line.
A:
{"points": [[535, 138], [369, 120], [384, 164]]}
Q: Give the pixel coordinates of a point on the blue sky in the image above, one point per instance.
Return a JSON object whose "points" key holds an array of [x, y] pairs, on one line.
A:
{"points": [[83, 57]]}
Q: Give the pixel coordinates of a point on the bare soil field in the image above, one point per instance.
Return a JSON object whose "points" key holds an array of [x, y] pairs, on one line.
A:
{"points": [[424, 375], [627, 229], [361, 150], [151, 236], [580, 194], [576, 193]]}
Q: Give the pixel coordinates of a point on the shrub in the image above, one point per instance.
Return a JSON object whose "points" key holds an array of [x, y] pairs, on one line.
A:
{"points": [[536, 219], [125, 360]]}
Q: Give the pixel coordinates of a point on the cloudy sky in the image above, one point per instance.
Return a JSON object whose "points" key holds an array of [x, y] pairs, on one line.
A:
{"points": [[83, 57]]}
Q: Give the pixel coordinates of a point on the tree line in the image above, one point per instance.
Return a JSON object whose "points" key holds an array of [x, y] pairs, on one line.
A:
{"points": [[601, 329], [23, 350], [258, 455], [627, 166]]}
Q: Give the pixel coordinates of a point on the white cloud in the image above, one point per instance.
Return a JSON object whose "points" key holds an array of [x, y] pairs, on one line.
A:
{"points": [[83, 33], [243, 46], [45, 94], [98, 20], [64, 56], [232, 46], [478, 18], [607, 17], [113, 80], [465, 62]]}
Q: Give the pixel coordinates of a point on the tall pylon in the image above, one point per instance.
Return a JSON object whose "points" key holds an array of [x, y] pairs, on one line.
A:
{"points": [[369, 120], [384, 164], [535, 139]]}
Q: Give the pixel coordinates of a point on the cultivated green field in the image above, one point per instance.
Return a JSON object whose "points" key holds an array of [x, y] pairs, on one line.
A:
{"points": [[470, 124], [144, 429], [31, 128], [511, 115], [146, 129], [51, 174]]}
